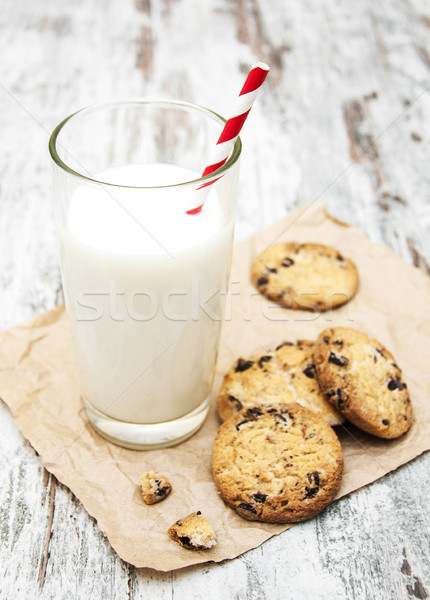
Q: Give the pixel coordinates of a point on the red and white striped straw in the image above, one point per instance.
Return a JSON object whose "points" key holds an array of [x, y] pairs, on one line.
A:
{"points": [[234, 124]]}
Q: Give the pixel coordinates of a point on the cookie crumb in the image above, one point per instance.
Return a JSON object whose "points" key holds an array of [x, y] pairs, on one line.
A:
{"points": [[155, 487], [193, 532]]}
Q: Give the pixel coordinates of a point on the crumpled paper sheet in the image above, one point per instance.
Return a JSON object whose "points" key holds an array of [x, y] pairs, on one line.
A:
{"points": [[39, 383]]}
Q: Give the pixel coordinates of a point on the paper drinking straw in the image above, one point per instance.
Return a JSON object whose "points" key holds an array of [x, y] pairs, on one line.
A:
{"points": [[233, 126]]}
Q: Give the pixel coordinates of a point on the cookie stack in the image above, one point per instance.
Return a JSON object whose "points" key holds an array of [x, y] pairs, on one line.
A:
{"points": [[276, 457]]}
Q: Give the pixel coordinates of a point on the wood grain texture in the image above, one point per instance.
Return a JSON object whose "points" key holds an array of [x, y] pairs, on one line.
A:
{"points": [[343, 117]]}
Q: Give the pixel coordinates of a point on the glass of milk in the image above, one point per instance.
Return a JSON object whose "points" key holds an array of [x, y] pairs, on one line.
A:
{"points": [[145, 281]]}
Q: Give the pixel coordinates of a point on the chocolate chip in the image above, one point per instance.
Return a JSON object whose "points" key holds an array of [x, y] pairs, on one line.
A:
{"points": [[254, 412], [310, 371], [338, 342], [290, 415], [385, 422], [262, 281], [340, 398], [330, 393], [184, 539], [272, 270], [287, 262], [260, 497], [238, 403], [272, 410], [162, 492], [285, 411], [396, 384], [242, 423], [310, 492], [326, 340], [199, 512], [339, 257], [243, 365], [246, 506], [279, 416], [262, 360], [379, 352], [314, 478], [340, 361], [284, 344]]}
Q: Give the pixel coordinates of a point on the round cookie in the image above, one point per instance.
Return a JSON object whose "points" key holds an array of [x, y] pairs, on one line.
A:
{"points": [[284, 375], [305, 276], [362, 380], [278, 464]]}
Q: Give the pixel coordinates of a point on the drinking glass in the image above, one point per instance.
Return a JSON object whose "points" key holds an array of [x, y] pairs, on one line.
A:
{"points": [[145, 281]]}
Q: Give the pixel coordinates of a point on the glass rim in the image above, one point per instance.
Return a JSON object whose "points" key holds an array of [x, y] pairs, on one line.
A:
{"points": [[52, 145]]}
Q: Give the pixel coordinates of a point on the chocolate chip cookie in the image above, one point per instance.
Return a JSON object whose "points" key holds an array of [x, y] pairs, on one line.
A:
{"points": [[193, 532], [305, 276], [278, 464], [284, 375], [363, 381], [155, 487]]}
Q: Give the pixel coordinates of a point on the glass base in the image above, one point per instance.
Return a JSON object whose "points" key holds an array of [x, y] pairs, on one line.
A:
{"points": [[147, 437]]}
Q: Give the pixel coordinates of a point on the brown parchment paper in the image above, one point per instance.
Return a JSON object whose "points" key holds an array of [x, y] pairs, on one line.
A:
{"points": [[39, 383]]}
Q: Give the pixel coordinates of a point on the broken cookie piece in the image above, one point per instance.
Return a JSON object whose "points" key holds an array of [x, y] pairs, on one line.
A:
{"points": [[155, 487], [193, 532]]}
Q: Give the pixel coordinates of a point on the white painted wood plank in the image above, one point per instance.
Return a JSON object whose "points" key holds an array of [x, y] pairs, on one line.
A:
{"points": [[340, 71]]}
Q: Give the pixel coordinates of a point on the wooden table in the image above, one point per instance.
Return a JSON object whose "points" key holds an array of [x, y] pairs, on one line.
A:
{"points": [[344, 118]]}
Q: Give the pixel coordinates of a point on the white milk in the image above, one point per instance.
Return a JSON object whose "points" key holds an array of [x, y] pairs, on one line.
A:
{"points": [[145, 302]]}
